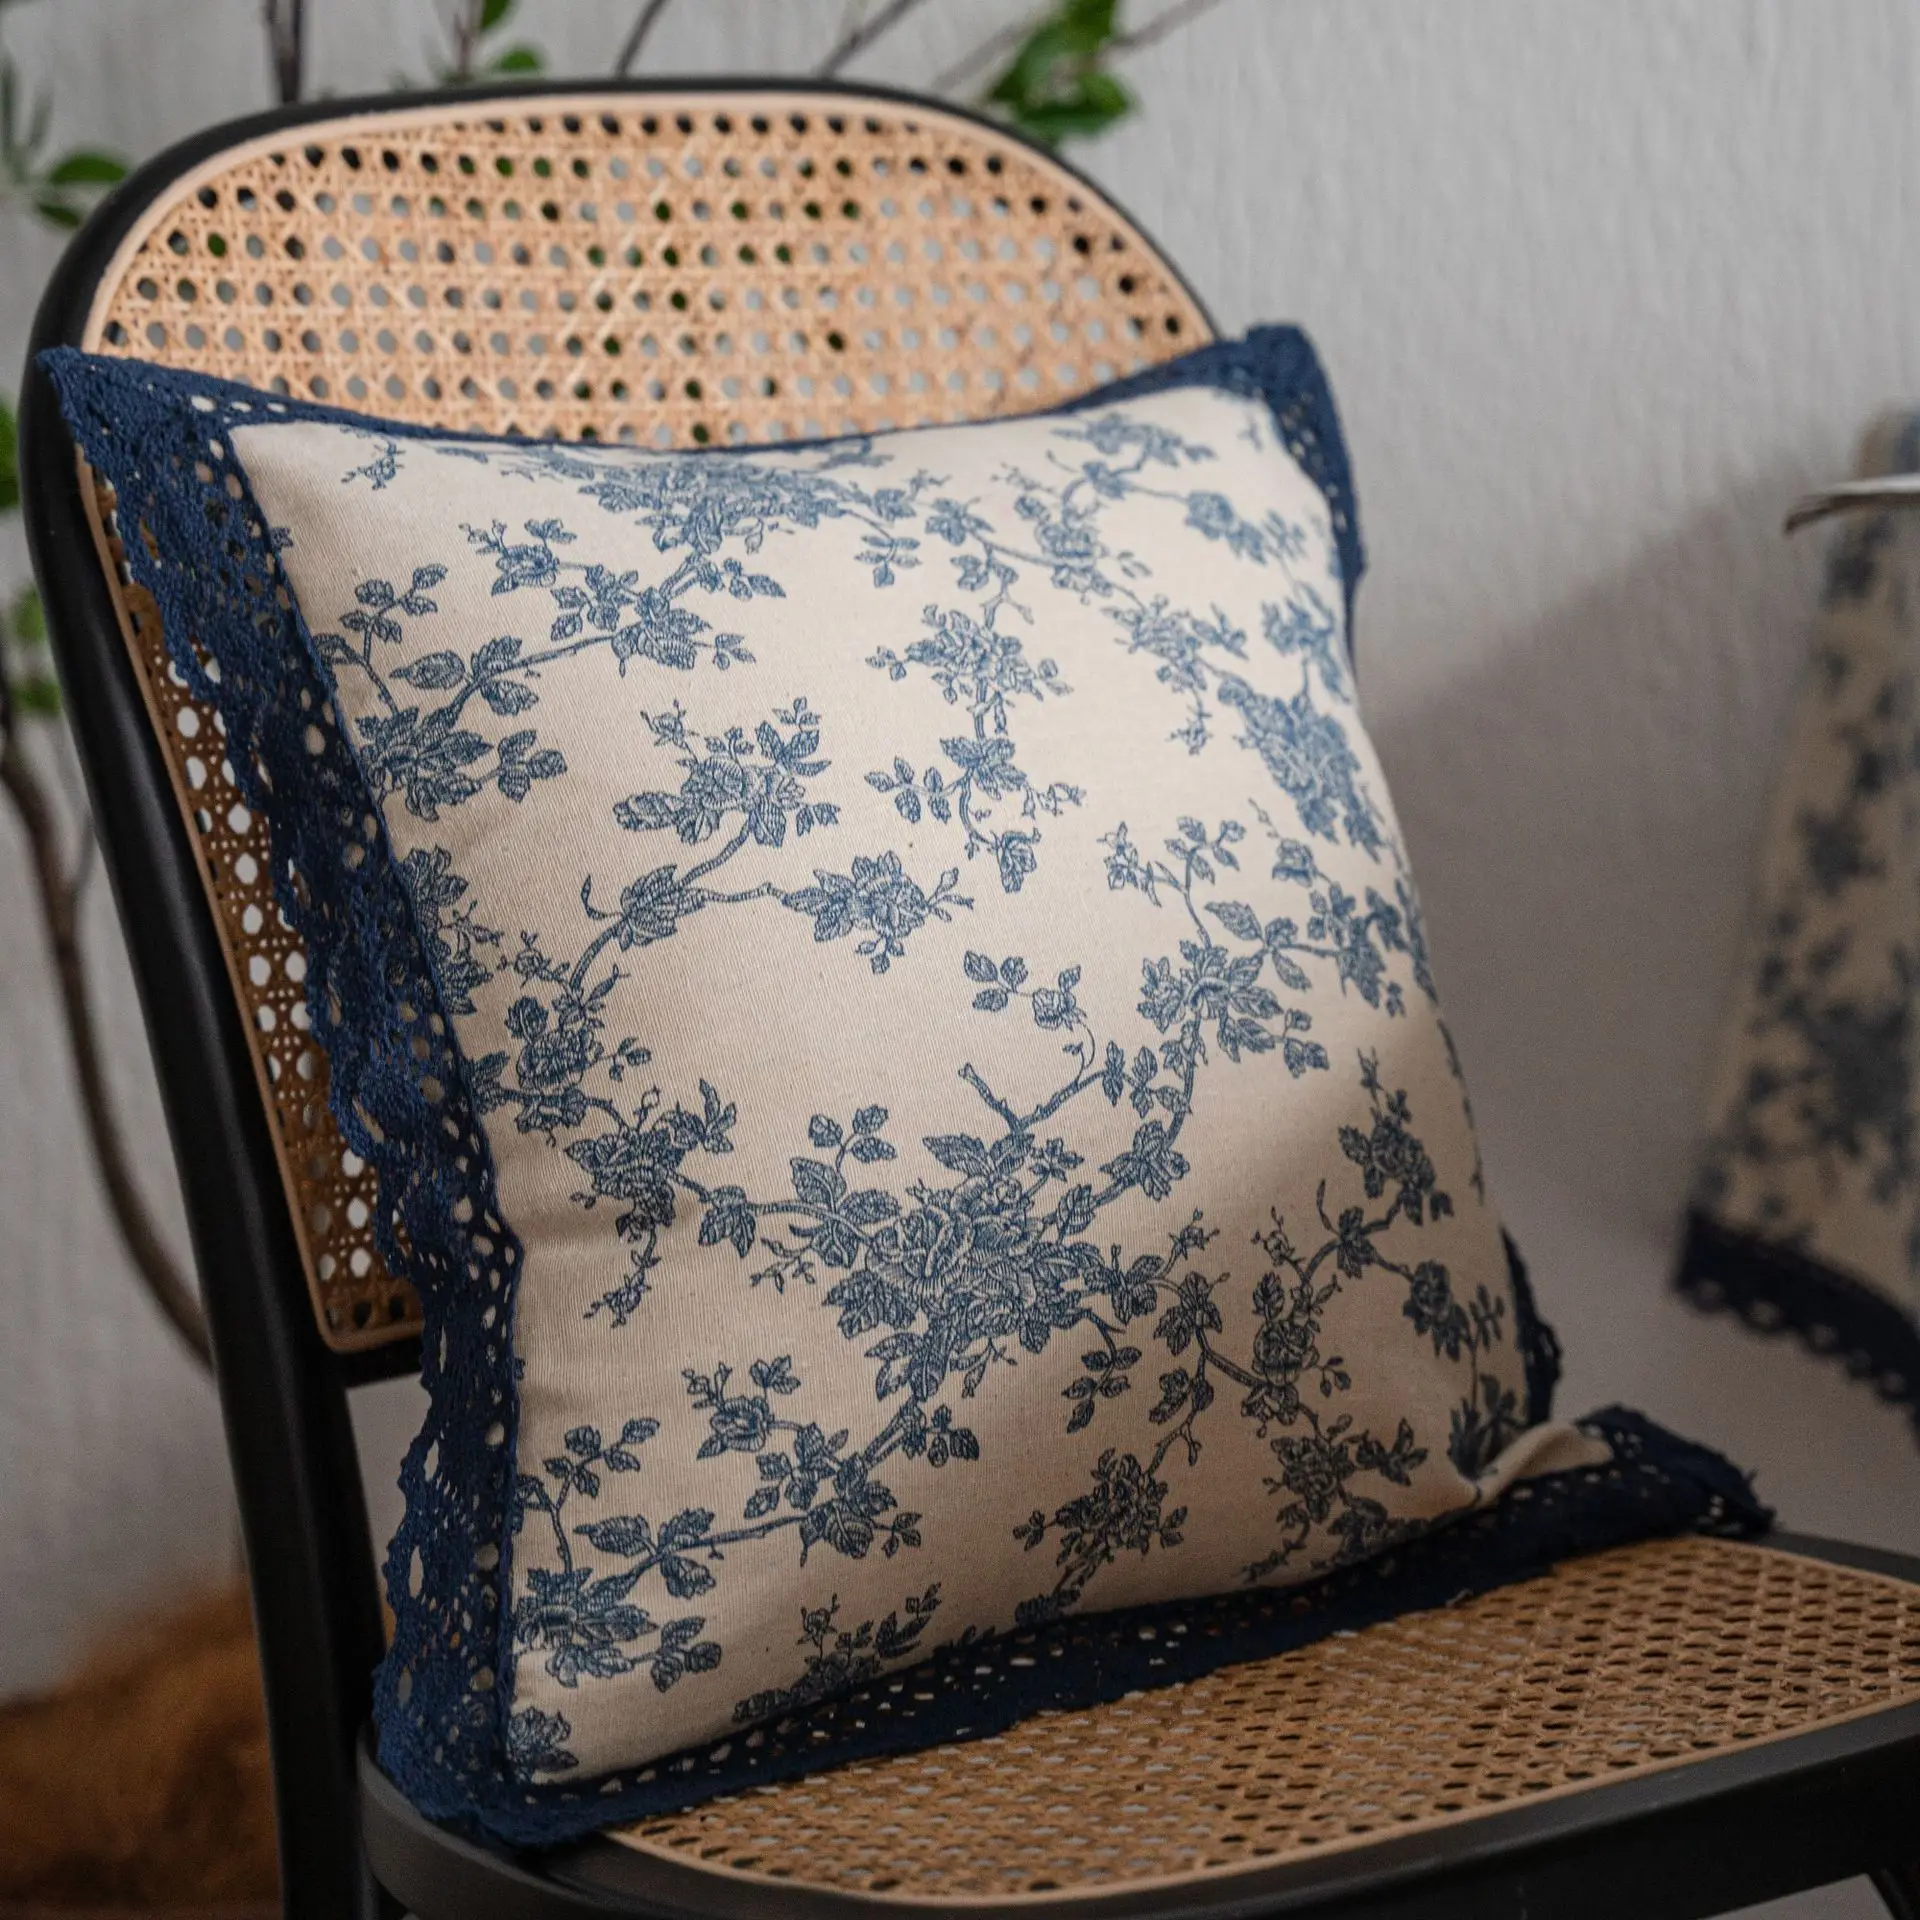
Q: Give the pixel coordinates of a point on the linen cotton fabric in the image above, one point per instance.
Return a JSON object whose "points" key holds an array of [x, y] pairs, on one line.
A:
{"points": [[1806, 1217], [883, 985]]}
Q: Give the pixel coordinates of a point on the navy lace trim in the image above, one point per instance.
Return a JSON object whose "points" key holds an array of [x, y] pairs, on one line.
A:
{"points": [[197, 541], [1539, 1345], [1777, 1290]]}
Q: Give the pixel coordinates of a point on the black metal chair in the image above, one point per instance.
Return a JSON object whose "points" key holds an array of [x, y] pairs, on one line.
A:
{"points": [[1672, 1729]]}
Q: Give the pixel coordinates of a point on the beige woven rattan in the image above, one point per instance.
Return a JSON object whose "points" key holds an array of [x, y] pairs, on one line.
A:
{"points": [[668, 270], [1618, 1665]]}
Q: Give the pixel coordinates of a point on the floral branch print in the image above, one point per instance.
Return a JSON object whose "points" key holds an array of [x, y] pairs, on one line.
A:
{"points": [[1302, 747], [585, 1623], [698, 503], [463, 950], [751, 787], [1214, 987], [423, 753], [858, 1512], [695, 507], [1306, 625], [842, 1657], [904, 1267], [1311, 761], [977, 664], [1356, 935], [931, 1275], [1826, 1102], [566, 1076], [537, 1742], [594, 606], [991, 1258], [981, 668], [1279, 1379], [1305, 749], [738, 791], [383, 465]]}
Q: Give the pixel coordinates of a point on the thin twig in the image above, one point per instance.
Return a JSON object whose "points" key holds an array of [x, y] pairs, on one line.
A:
{"points": [[59, 903], [1168, 20], [643, 26], [854, 43], [989, 49], [464, 35], [287, 47]]}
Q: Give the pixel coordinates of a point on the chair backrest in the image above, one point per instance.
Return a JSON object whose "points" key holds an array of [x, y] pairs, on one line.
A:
{"points": [[667, 269], [680, 267]]}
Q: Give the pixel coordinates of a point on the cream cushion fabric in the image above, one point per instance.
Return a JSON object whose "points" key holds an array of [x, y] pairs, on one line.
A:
{"points": [[953, 1024]]}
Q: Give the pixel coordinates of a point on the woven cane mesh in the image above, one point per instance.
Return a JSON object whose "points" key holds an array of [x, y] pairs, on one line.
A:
{"points": [[1620, 1664], [662, 270]]}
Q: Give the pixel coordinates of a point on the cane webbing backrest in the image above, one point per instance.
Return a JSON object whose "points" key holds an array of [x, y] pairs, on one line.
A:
{"points": [[1610, 1668], [666, 269]]}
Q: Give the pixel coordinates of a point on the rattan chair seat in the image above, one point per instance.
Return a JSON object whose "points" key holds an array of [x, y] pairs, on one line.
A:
{"points": [[1618, 1665]]}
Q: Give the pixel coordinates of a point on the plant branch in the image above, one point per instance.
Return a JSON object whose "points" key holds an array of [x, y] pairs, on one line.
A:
{"points": [[860, 37], [644, 23], [1168, 21], [287, 47], [463, 35], [989, 50], [59, 909]]}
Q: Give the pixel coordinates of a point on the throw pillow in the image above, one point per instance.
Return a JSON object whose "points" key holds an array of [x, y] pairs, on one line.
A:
{"points": [[883, 985]]}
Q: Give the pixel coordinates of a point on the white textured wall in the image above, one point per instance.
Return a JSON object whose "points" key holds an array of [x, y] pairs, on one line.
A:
{"points": [[1601, 286]]}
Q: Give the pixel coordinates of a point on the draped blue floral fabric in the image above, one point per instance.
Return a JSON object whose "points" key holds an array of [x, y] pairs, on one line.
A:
{"points": [[1807, 1212], [883, 987]]}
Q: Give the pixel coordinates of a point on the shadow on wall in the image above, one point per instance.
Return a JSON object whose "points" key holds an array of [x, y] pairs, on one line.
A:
{"points": [[1584, 809], [1586, 812]]}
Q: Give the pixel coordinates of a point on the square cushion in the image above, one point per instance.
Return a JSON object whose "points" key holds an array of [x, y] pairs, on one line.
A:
{"points": [[1805, 1213], [883, 986]]}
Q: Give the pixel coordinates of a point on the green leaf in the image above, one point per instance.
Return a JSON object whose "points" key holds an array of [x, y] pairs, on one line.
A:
{"points": [[57, 213], [83, 168], [1054, 88], [1074, 30], [1074, 33], [1099, 102], [493, 12], [28, 619], [519, 60], [9, 470], [38, 695]]}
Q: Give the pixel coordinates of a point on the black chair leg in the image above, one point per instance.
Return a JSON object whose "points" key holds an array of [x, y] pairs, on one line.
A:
{"points": [[1899, 1889]]}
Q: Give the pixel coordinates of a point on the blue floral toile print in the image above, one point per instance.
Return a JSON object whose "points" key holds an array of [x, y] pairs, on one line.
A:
{"points": [[885, 982], [934, 895], [1807, 1208]]}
